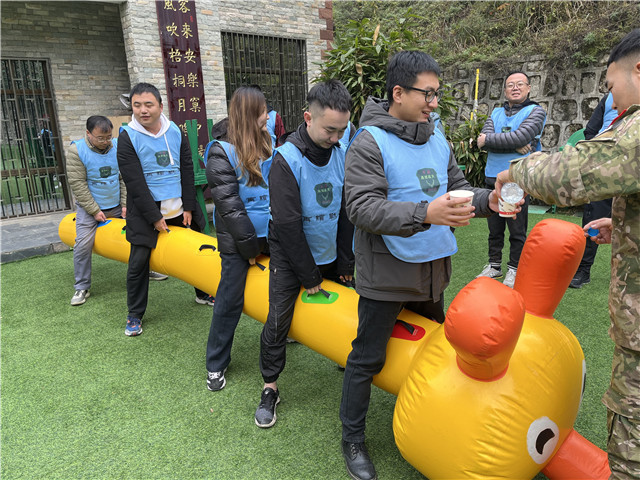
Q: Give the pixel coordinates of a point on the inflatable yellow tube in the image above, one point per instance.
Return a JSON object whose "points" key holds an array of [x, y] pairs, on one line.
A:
{"points": [[492, 394], [327, 328]]}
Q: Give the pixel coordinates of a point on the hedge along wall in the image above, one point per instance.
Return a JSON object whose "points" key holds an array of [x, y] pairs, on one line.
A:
{"points": [[569, 97]]}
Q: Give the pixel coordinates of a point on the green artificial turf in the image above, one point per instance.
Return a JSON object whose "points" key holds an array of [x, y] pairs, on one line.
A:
{"points": [[81, 400]]}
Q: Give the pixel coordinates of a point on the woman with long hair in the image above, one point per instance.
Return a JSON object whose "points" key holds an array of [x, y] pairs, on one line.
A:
{"points": [[241, 217]]}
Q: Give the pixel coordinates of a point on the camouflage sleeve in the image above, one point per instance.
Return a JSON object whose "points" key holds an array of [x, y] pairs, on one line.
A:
{"points": [[597, 169]]}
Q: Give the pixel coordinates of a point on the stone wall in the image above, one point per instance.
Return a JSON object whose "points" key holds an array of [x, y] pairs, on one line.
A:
{"points": [[569, 97]]}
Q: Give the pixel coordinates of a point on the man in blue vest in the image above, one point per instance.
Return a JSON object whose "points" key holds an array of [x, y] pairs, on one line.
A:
{"points": [[310, 236], [599, 121], [94, 178], [512, 131], [155, 161], [398, 170]]}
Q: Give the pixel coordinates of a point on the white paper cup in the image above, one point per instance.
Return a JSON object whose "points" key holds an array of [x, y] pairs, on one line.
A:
{"points": [[505, 209], [464, 196]]}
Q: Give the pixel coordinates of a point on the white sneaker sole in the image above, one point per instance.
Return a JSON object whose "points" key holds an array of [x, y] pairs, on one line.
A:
{"points": [[273, 422]]}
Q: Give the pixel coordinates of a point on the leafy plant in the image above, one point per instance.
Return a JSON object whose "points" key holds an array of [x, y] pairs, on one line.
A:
{"points": [[359, 59], [466, 151]]}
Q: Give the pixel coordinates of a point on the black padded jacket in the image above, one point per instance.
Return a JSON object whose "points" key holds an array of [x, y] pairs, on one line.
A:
{"points": [[234, 229]]}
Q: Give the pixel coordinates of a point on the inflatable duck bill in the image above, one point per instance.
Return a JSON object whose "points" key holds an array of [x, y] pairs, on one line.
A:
{"points": [[492, 393]]}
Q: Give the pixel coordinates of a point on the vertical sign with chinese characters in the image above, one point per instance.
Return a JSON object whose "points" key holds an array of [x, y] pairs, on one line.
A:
{"points": [[182, 67]]}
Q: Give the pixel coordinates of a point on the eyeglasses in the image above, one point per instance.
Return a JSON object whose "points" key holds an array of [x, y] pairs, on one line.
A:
{"points": [[101, 139], [520, 85], [429, 95]]}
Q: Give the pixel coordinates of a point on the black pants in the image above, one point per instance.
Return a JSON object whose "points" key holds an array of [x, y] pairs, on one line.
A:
{"points": [[284, 288], [227, 310], [376, 320], [138, 275], [517, 232], [593, 211]]}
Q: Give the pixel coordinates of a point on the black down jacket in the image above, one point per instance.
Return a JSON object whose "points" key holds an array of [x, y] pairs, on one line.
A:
{"points": [[234, 229]]}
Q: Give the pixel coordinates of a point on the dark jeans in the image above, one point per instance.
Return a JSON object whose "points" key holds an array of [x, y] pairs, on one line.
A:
{"points": [[227, 310], [284, 289], [593, 211], [376, 320], [517, 232], [138, 276]]}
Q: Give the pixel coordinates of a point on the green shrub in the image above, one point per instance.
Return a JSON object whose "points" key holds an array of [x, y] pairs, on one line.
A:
{"points": [[466, 151]]}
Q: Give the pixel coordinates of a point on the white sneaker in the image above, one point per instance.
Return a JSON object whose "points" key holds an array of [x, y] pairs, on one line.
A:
{"points": [[510, 278], [79, 297], [491, 272]]}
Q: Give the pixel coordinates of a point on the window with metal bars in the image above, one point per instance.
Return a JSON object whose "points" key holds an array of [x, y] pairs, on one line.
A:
{"points": [[278, 65], [33, 178]]}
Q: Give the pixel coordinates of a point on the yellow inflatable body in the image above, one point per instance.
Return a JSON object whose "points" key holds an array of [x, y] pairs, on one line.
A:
{"points": [[493, 393]]}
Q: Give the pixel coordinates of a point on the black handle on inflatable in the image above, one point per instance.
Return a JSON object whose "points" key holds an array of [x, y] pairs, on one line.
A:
{"points": [[260, 266], [325, 293], [205, 246], [410, 328]]}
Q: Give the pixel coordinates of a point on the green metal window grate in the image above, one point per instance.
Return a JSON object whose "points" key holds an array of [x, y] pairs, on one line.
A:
{"points": [[33, 179], [278, 65]]}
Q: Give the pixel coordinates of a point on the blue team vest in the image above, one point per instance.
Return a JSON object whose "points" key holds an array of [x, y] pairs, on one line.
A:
{"points": [[610, 114], [344, 141], [255, 199], [160, 171], [321, 197], [102, 174], [499, 161], [271, 127], [416, 173]]}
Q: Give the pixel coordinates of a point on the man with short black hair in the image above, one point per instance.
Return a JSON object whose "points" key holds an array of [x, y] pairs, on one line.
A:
{"points": [[608, 166], [398, 170], [156, 165], [512, 131], [309, 234]]}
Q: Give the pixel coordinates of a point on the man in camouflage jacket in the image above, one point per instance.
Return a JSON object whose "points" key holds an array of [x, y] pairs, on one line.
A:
{"points": [[608, 166]]}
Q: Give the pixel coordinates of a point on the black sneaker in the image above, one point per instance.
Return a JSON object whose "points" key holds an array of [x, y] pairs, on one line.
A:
{"points": [[580, 279], [216, 380], [266, 413], [359, 465]]}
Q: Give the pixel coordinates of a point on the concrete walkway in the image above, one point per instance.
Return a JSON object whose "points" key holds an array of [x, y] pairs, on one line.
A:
{"points": [[27, 237]]}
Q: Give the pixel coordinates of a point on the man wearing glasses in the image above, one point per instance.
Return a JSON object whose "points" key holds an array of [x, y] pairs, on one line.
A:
{"points": [[94, 178], [512, 131], [398, 170]]}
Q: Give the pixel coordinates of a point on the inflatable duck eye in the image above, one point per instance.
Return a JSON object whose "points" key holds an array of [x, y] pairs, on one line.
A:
{"points": [[542, 439]]}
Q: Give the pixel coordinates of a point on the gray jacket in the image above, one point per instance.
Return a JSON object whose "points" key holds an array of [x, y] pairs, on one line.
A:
{"points": [[526, 133], [77, 178], [380, 275]]}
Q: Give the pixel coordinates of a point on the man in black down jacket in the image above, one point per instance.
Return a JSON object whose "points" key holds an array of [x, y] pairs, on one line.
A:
{"points": [[310, 236]]}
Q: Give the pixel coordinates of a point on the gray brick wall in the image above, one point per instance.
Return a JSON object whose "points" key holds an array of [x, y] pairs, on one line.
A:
{"points": [[84, 45]]}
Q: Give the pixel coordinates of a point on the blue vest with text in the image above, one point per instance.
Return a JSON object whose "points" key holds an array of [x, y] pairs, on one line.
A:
{"points": [[255, 199], [320, 197], [499, 161], [103, 175], [416, 173], [161, 170], [271, 127], [610, 114]]}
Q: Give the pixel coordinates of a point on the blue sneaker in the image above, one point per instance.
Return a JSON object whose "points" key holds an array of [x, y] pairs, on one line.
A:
{"points": [[134, 326]]}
